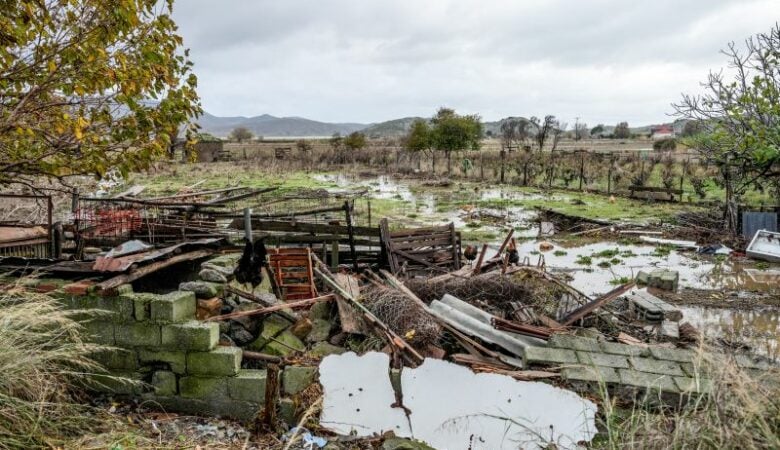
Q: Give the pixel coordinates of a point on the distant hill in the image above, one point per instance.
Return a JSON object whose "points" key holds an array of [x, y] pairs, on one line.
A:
{"points": [[267, 125], [390, 129]]}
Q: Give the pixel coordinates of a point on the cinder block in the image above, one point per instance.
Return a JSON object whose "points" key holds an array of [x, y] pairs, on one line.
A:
{"points": [[177, 361], [164, 383], [694, 385], [546, 355], [193, 336], [573, 342], [99, 332], [297, 378], [647, 380], [615, 348], [593, 374], [116, 358], [178, 306], [137, 334], [320, 330], [672, 354], [248, 386], [220, 361], [657, 366], [203, 388], [142, 305], [603, 359]]}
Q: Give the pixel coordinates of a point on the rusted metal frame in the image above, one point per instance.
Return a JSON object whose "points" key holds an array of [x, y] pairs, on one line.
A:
{"points": [[588, 308], [49, 214], [151, 268]]}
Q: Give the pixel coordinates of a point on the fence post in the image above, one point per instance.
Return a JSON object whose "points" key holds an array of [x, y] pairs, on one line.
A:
{"points": [[248, 224], [582, 167]]}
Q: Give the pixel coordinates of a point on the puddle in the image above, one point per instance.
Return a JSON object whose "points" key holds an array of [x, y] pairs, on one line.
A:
{"points": [[758, 328], [489, 412]]}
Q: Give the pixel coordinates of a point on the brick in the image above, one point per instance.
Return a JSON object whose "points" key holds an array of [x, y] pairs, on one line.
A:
{"points": [[164, 383], [203, 388], [297, 378], [208, 308], [248, 386], [615, 348], [79, 287], [657, 366], [193, 335], [177, 361], [116, 358], [137, 334], [122, 289], [672, 354], [591, 374], [647, 380], [546, 355], [220, 361], [288, 411], [574, 343], [178, 306], [99, 332], [603, 359]]}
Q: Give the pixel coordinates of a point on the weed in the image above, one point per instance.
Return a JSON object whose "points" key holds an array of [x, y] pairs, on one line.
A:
{"points": [[619, 281], [604, 264], [662, 251], [584, 260], [608, 253], [560, 253]]}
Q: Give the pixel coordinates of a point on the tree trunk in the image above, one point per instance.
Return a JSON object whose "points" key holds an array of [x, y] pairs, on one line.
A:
{"points": [[433, 162], [503, 161]]}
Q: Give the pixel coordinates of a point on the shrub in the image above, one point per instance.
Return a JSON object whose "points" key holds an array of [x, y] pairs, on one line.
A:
{"points": [[665, 144]]}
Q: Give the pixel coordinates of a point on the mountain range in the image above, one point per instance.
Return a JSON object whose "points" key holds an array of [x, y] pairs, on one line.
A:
{"points": [[270, 126]]}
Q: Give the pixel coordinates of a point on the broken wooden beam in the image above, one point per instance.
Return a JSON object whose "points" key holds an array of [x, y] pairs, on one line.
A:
{"points": [[274, 308], [151, 268], [588, 308]]}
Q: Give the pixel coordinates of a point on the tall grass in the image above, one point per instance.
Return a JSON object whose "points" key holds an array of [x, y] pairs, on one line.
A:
{"points": [[741, 412], [42, 358]]}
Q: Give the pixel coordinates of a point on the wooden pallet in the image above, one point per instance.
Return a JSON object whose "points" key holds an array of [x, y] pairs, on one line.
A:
{"points": [[429, 250], [293, 272]]}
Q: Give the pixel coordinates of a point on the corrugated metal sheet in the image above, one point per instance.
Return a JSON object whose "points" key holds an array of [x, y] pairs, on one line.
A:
{"points": [[753, 221]]}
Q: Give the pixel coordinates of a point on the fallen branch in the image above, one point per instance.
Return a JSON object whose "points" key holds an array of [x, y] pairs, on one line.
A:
{"points": [[274, 308]]}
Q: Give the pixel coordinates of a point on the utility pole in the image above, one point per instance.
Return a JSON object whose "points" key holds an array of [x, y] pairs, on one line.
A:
{"points": [[577, 128]]}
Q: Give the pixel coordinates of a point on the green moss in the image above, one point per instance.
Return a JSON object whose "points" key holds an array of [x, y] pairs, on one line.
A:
{"points": [[584, 260], [560, 253]]}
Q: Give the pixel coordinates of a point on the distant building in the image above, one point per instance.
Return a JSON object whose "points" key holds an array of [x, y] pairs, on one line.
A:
{"points": [[662, 132]]}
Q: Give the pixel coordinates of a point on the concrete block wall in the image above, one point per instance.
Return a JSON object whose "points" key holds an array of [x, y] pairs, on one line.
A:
{"points": [[174, 360]]}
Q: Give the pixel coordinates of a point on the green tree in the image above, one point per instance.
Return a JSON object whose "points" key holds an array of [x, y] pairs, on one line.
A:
{"points": [[419, 140], [455, 133], [738, 113], [622, 131], [241, 134], [90, 85], [355, 141], [598, 129], [336, 141]]}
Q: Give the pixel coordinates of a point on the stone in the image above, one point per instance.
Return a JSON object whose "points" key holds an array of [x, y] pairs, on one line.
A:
{"points": [[248, 385], [594, 374], [226, 272], [302, 328], [178, 306], [404, 444], [193, 336], [615, 348], [546, 355], [664, 279], [320, 330], [647, 380], [222, 361], [239, 334], [203, 388], [177, 361], [672, 354], [657, 366], [751, 362], [116, 358], [202, 289], [164, 383], [285, 344], [573, 342], [137, 334], [253, 324], [321, 310], [212, 275], [288, 412], [99, 332], [297, 378], [603, 359], [323, 349], [227, 261], [208, 308]]}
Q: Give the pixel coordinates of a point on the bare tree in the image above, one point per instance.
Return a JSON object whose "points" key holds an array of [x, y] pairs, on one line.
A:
{"points": [[240, 134]]}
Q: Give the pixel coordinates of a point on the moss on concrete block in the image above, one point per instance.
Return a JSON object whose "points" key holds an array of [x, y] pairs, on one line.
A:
{"points": [[99, 332], [615, 348], [672, 354], [694, 385], [297, 378], [193, 336], [202, 289], [220, 361], [248, 386], [178, 306], [322, 349], [284, 345], [116, 358], [404, 444], [321, 310], [137, 334], [288, 411], [273, 326], [592, 374], [164, 383], [203, 387], [546, 355], [646, 380], [142, 304], [320, 330], [603, 359], [574, 343], [657, 366], [177, 361]]}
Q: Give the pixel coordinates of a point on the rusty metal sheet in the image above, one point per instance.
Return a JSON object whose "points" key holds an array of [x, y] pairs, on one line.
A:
{"points": [[121, 264], [128, 248]]}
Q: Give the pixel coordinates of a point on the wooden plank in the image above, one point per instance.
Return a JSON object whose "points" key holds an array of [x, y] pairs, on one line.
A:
{"points": [[387, 242], [419, 260], [478, 265], [408, 245], [588, 308], [419, 231], [258, 224], [151, 268], [454, 239], [274, 308]]}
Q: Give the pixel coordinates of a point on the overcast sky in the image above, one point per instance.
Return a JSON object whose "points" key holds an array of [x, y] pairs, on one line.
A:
{"points": [[371, 60]]}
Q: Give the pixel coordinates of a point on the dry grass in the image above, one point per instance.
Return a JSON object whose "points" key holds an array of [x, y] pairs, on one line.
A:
{"points": [[42, 358], [403, 316], [742, 412]]}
